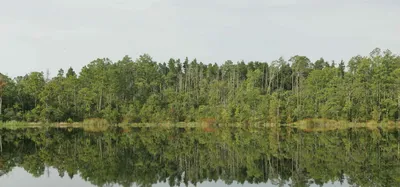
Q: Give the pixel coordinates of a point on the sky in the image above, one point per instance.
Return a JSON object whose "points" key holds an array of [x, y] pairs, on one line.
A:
{"points": [[46, 35], [18, 177]]}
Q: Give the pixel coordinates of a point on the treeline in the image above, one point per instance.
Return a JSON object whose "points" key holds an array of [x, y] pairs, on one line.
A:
{"points": [[142, 90]]}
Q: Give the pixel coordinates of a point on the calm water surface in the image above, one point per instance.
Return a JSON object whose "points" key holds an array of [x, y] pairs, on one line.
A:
{"points": [[232, 157]]}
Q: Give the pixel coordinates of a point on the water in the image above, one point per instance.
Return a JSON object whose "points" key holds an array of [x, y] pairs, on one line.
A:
{"points": [[199, 157]]}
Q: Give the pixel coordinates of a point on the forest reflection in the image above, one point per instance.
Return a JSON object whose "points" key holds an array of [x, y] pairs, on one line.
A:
{"points": [[182, 156]]}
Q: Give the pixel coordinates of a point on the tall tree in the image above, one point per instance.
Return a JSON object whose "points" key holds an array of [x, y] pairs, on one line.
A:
{"points": [[2, 85]]}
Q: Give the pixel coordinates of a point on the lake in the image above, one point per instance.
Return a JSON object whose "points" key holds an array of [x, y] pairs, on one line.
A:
{"points": [[233, 157]]}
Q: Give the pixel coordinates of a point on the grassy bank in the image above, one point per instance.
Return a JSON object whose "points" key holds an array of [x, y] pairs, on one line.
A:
{"points": [[306, 125], [327, 125]]}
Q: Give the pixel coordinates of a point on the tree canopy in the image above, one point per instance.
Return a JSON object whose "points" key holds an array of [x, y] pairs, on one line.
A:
{"points": [[143, 90]]}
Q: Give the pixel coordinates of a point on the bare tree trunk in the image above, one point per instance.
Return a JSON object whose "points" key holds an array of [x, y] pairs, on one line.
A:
{"points": [[1, 102], [180, 82], [100, 101]]}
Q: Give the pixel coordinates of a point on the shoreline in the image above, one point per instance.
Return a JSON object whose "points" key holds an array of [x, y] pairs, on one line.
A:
{"points": [[308, 125]]}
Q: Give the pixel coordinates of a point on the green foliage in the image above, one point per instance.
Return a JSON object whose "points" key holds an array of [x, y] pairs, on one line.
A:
{"points": [[111, 115], [69, 120], [142, 90]]}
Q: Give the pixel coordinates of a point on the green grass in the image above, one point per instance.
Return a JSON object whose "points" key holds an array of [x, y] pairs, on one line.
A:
{"points": [[19, 124], [327, 125], [97, 125]]}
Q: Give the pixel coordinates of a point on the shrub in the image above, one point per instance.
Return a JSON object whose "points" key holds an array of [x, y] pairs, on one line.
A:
{"points": [[95, 122], [70, 120]]}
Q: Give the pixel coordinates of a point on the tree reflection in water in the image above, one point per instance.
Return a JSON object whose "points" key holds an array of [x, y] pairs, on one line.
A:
{"points": [[145, 156]]}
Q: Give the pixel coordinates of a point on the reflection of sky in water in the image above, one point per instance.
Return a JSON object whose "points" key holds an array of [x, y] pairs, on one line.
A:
{"points": [[20, 178]]}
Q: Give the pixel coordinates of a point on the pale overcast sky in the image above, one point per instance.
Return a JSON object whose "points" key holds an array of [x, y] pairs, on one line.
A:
{"points": [[36, 35]]}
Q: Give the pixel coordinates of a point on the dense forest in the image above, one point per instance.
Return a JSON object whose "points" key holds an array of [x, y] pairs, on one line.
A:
{"points": [[142, 90], [146, 156]]}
